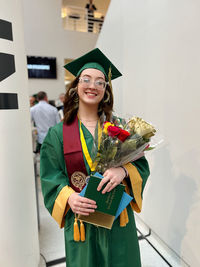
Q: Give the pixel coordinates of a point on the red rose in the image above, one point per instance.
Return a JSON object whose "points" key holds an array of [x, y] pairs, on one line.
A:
{"points": [[147, 146], [123, 135], [113, 131]]}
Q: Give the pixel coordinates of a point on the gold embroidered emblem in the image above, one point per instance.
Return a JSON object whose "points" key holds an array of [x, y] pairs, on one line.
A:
{"points": [[78, 179]]}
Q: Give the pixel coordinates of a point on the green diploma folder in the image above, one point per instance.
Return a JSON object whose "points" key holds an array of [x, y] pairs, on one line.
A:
{"points": [[107, 204]]}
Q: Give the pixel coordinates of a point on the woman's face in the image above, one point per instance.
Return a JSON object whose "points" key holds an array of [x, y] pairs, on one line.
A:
{"points": [[91, 86]]}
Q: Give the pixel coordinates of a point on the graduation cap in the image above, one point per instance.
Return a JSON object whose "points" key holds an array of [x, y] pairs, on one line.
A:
{"points": [[95, 59]]}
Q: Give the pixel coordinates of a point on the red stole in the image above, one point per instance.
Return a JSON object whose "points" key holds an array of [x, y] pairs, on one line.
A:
{"points": [[74, 156]]}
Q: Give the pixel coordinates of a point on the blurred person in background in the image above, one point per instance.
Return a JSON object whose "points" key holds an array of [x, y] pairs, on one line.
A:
{"points": [[91, 8], [44, 116], [62, 99], [60, 105], [32, 100], [52, 103]]}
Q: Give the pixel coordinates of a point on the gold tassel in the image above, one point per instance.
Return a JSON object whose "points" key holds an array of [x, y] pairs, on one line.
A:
{"points": [[76, 231], [82, 231], [109, 78], [124, 218]]}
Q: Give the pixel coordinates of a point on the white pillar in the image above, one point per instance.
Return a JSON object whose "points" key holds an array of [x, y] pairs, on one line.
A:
{"points": [[19, 246]]}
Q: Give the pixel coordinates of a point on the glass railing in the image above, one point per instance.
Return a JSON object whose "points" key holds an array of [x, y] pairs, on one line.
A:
{"points": [[78, 19]]}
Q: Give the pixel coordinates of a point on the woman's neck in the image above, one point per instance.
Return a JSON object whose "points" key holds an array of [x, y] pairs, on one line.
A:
{"points": [[88, 112]]}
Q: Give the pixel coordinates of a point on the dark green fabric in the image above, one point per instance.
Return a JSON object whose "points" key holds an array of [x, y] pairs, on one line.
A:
{"points": [[53, 172], [93, 65], [95, 56], [117, 247]]}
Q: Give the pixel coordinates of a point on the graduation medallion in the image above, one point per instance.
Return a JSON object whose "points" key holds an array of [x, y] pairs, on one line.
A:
{"points": [[78, 179]]}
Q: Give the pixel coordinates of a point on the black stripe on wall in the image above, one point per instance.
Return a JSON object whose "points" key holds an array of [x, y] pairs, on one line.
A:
{"points": [[6, 30], [7, 65], [8, 101]]}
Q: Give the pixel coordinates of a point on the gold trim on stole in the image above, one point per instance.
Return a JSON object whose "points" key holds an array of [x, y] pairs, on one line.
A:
{"points": [[136, 184], [86, 153], [61, 207]]}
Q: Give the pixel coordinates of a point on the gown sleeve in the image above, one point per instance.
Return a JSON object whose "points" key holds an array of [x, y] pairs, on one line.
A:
{"points": [[138, 174], [53, 174]]}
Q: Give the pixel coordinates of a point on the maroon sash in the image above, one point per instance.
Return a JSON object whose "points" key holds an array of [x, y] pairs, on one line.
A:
{"points": [[74, 156]]}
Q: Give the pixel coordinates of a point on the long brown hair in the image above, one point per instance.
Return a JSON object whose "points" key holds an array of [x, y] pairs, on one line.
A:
{"points": [[71, 103]]}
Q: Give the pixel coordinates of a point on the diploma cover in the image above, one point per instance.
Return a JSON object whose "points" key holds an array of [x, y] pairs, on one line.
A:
{"points": [[107, 204]]}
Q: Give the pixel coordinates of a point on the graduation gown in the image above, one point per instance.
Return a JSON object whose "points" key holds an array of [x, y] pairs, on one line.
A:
{"points": [[117, 247]]}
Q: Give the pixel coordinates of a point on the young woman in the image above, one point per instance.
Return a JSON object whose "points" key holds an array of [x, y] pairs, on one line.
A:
{"points": [[65, 156]]}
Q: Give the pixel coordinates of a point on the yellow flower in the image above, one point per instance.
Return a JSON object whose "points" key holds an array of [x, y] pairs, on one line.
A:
{"points": [[141, 127], [106, 125]]}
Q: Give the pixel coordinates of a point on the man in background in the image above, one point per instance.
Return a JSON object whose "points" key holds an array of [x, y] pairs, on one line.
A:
{"points": [[44, 116], [91, 8], [60, 105]]}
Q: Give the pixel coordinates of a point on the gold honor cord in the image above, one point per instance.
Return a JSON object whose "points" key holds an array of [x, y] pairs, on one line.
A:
{"points": [[91, 164], [109, 78]]}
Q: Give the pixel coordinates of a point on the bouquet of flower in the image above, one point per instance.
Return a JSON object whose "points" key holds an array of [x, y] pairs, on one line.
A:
{"points": [[122, 142]]}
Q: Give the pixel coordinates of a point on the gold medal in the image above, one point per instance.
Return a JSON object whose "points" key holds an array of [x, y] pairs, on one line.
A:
{"points": [[78, 179]]}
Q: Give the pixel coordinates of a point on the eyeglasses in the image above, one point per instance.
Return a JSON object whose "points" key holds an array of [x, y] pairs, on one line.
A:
{"points": [[98, 84]]}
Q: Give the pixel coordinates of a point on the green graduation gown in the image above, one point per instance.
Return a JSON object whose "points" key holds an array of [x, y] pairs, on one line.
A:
{"points": [[117, 247]]}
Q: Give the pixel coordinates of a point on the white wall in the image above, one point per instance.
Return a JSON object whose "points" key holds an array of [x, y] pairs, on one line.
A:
{"points": [[45, 36], [19, 244], [157, 45]]}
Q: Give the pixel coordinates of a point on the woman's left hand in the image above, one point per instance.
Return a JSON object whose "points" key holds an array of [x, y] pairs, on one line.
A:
{"points": [[112, 177]]}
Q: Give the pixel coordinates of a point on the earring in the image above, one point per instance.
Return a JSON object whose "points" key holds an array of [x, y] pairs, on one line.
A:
{"points": [[73, 94], [108, 97], [76, 99], [72, 91]]}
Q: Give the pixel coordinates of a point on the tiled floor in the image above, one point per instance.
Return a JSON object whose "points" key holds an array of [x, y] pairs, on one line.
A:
{"points": [[51, 237], [52, 243]]}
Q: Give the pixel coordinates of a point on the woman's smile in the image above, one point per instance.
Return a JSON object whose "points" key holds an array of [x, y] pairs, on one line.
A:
{"points": [[87, 92], [91, 94]]}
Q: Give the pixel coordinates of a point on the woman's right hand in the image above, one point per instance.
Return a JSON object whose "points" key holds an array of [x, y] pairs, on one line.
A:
{"points": [[81, 205]]}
